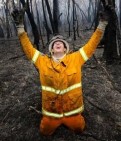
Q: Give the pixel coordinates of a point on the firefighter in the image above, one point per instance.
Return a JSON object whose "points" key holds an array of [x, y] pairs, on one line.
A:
{"points": [[61, 78]]}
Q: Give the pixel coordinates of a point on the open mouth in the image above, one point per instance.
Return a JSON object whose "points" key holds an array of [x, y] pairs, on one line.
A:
{"points": [[58, 47]]}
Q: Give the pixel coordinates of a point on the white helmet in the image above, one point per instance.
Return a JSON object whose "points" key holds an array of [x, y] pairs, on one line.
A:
{"points": [[58, 38]]}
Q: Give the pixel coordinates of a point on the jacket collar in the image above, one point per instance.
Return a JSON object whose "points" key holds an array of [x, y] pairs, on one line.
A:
{"points": [[64, 62]]}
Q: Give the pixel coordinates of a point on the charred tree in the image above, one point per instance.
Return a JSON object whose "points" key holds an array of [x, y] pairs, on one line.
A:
{"points": [[89, 11], [68, 17], [120, 13], [111, 49], [31, 7], [84, 17], [13, 4], [75, 20], [98, 8], [7, 19], [50, 16], [1, 32], [48, 30], [77, 23], [33, 24], [74, 23], [38, 21], [55, 15]]}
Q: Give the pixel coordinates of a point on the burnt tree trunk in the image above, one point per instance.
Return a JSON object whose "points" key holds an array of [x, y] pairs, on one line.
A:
{"points": [[96, 15], [120, 13], [31, 8], [120, 28], [1, 32], [38, 21], [55, 15], [77, 23], [7, 20], [89, 11], [74, 24], [68, 16], [13, 4], [48, 30], [50, 16], [110, 36]]}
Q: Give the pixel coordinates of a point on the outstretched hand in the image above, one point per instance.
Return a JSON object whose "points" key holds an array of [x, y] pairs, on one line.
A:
{"points": [[106, 14], [18, 16]]}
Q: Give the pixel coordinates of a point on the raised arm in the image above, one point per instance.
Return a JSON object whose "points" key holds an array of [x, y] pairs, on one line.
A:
{"points": [[32, 53], [87, 50]]}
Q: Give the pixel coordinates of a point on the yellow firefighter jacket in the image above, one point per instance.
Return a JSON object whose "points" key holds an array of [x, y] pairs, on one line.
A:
{"points": [[61, 82]]}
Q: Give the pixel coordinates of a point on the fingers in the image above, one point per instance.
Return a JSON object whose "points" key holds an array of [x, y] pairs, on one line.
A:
{"points": [[18, 16], [103, 16], [109, 8]]}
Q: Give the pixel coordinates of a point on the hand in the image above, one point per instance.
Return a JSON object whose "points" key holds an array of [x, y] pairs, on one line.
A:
{"points": [[18, 16], [106, 14], [103, 16]]}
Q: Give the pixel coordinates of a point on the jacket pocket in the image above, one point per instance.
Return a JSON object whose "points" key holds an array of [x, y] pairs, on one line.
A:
{"points": [[71, 76], [48, 78]]}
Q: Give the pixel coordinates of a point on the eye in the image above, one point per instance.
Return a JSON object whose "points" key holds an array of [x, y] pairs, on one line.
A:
{"points": [[58, 43]]}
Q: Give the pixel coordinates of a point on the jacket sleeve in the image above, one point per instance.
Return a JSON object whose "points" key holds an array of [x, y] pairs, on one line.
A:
{"points": [[32, 53], [87, 50]]}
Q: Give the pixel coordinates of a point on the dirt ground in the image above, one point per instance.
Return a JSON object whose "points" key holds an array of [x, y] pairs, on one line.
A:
{"points": [[20, 95]]}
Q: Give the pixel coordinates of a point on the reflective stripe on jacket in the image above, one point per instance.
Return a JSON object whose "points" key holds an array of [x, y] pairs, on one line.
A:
{"points": [[61, 82]]}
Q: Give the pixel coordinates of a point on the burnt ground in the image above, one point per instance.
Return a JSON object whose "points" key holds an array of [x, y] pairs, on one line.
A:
{"points": [[20, 95]]}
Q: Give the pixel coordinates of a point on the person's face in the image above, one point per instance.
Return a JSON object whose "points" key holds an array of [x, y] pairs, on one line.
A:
{"points": [[58, 47]]}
